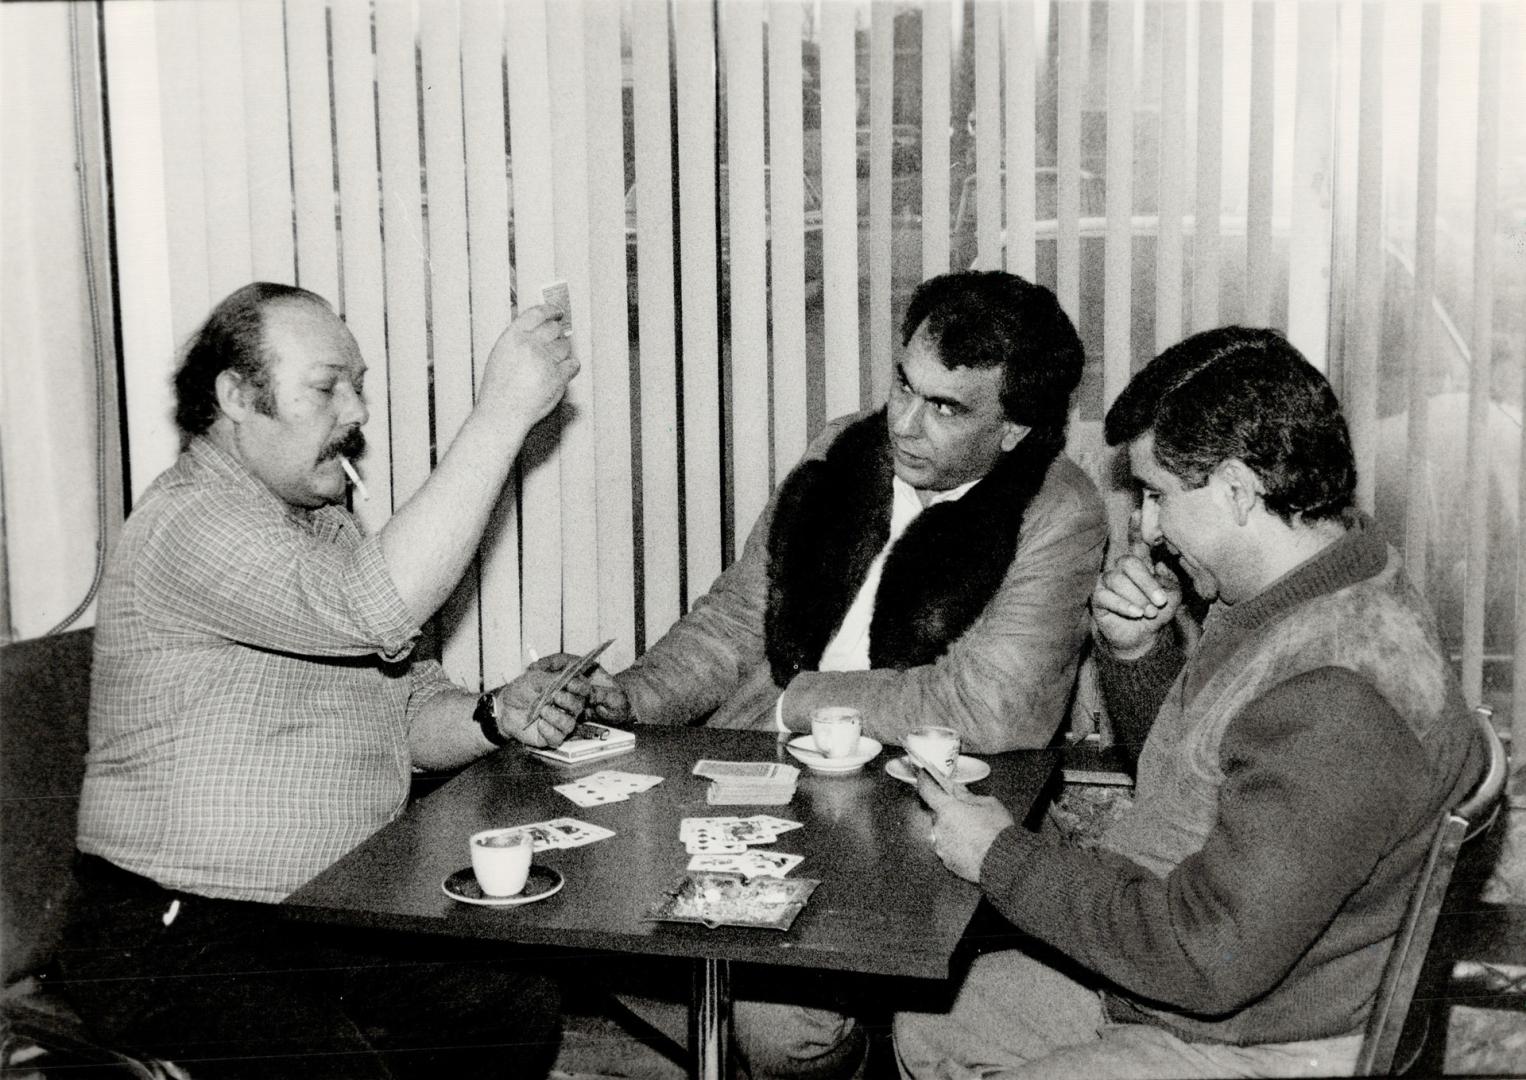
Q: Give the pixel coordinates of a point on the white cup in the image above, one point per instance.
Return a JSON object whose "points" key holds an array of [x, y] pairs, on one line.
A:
{"points": [[501, 860], [836, 729], [938, 746]]}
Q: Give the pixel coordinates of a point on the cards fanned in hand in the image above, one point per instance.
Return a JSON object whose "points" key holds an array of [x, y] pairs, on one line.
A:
{"points": [[581, 666], [606, 786], [565, 832]]}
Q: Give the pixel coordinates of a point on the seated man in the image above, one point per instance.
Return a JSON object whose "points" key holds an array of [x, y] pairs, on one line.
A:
{"points": [[927, 563], [255, 714], [1237, 921]]}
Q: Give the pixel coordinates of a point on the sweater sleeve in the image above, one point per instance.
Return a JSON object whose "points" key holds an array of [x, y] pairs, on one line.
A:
{"points": [[1321, 777], [1133, 690]]}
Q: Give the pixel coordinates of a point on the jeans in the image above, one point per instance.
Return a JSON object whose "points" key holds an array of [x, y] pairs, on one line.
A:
{"points": [[1016, 1018], [234, 989]]}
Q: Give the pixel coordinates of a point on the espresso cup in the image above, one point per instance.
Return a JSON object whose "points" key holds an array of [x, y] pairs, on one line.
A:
{"points": [[836, 730], [938, 746], [501, 860]]}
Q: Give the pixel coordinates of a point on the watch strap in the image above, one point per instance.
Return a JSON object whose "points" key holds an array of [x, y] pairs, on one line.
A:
{"points": [[486, 715]]}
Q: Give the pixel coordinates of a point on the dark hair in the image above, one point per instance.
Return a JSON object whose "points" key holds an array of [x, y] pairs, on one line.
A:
{"points": [[1237, 392], [232, 338], [986, 318]]}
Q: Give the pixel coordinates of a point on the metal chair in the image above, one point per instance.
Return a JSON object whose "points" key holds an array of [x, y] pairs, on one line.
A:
{"points": [[1380, 1041]]}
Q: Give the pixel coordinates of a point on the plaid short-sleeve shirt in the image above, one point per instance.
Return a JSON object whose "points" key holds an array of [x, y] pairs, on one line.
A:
{"points": [[251, 690]]}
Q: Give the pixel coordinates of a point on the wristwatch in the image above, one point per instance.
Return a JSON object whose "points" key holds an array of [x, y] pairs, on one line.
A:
{"points": [[486, 715]]}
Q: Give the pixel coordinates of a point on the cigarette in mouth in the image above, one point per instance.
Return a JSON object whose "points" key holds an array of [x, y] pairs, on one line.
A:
{"points": [[360, 485]]}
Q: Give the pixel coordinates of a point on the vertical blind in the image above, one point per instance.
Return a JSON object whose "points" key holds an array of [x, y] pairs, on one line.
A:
{"points": [[780, 175]]}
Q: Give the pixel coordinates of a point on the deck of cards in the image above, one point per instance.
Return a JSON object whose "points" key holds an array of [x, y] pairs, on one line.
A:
{"points": [[606, 786], [755, 783]]}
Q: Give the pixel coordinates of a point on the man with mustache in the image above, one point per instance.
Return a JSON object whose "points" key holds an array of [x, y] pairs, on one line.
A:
{"points": [[926, 563], [256, 712]]}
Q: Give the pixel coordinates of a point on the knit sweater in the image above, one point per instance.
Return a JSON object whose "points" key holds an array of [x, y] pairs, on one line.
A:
{"points": [[1289, 787]]}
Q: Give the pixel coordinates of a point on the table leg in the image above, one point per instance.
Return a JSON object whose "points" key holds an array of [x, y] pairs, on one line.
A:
{"points": [[710, 1020]]}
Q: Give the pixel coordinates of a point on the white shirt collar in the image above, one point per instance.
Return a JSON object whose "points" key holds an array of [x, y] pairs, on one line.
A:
{"points": [[901, 487]]}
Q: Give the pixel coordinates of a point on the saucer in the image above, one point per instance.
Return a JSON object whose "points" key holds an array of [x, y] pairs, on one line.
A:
{"points": [[542, 882], [967, 770], [803, 749]]}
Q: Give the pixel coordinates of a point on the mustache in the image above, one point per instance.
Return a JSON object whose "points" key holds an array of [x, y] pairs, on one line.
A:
{"points": [[351, 445]]}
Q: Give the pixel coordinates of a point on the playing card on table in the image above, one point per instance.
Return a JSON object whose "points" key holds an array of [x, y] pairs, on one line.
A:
{"points": [[710, 835], [775, 825], [565, 832], [749, 864], [606, 786], [730, 834]]}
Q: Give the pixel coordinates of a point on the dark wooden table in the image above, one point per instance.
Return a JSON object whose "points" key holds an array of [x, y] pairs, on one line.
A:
{"points": [[885, 904]]}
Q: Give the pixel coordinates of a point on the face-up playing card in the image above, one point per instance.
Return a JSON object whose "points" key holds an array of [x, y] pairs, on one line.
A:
{"points": [[585, 794], [749, 864], [714, 835], [575, 833], [606, 786], [712, 843], [565, 832], [777, 825]]}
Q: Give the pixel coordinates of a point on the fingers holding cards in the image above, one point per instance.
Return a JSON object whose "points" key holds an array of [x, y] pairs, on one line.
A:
{"points": [[557, 295]]}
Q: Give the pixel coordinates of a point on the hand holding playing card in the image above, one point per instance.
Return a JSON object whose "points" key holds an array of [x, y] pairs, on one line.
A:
{"points": [[606, 701], [964, 825], [541, 707]]}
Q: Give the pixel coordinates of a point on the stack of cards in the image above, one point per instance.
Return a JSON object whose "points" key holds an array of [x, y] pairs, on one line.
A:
{"points": [[757, 783], [565, 832], [606, 786]]}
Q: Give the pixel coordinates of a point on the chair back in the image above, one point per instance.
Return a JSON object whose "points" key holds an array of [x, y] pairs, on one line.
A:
{"points": [[1385, 1024], [44, 710]]}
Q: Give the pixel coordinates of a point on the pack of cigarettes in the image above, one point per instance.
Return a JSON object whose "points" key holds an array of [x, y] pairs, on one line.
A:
{"points": [[589, 742]]}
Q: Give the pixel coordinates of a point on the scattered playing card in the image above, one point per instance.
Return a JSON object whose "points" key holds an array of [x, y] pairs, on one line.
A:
{"points": [[606, 786], [585, 794], [776, 824], [729, 834], [712, 843], [749, 864], [565, 832]]}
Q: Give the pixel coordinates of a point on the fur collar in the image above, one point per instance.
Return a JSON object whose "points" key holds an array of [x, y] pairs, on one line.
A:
{"points": [[832, 518]]}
